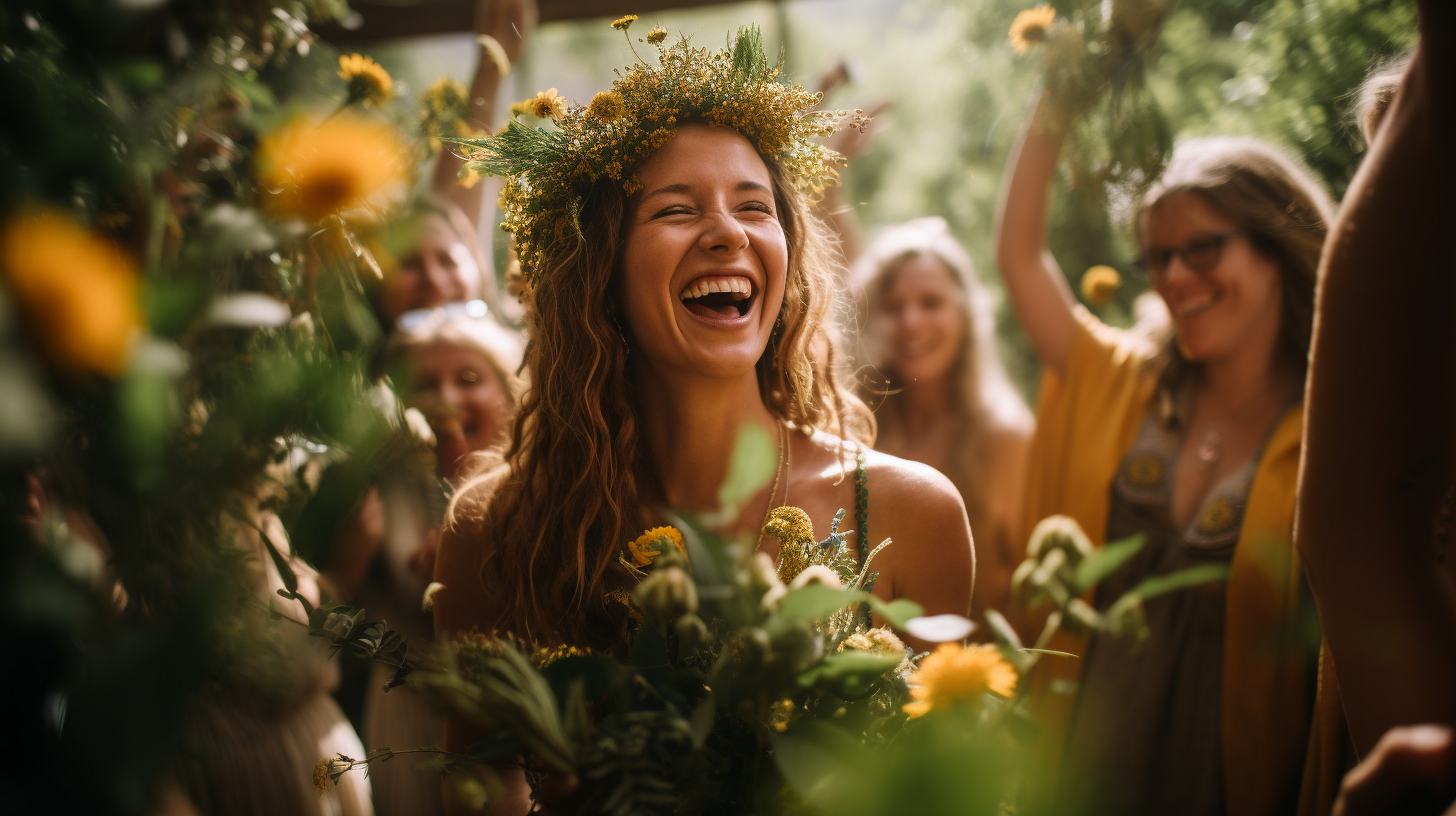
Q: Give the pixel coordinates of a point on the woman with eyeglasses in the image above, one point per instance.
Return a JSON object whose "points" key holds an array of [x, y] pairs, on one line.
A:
{"points": [[1190, 439]]}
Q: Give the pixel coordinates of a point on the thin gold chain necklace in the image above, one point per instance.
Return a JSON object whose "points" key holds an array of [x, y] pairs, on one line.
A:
{"points": [[779, 469]]}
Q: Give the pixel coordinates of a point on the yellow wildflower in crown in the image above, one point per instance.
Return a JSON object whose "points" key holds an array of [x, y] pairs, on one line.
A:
{"points": [[955, 674], [651, 544], [550, 171], [368, 81], [1030, 28]]}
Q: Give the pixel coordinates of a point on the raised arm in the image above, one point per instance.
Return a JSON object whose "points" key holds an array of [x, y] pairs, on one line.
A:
{"points": [[1034, 283], [507, 22], [1380, 438]]}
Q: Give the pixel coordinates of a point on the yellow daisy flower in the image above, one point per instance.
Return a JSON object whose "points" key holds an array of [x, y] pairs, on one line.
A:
{"points": [[548, 105], [955, 674], [607, 106], [1030, 28], [624, 22], [368, 81], [1100, 284], [311, 170], [648, 546], [656, 35], [78, 291]]}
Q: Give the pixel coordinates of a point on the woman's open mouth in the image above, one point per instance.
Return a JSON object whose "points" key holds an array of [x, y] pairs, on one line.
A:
{"points": [[718, 298]]}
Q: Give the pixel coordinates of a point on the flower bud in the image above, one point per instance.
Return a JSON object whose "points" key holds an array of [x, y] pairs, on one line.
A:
{"points": [[691, 631], [1079, 618], [668, 593]]}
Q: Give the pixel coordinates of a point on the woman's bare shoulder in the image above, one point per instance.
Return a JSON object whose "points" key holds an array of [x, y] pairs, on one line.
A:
{"points": [[908, 493]]}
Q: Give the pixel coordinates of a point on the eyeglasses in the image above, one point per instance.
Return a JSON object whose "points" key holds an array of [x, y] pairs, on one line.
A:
{"points": [[1199, 256], [416, 319]]}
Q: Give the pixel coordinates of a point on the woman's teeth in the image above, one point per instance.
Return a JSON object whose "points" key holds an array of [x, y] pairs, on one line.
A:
{"points": [[741, 288], [1190, 308], [718, 298]]}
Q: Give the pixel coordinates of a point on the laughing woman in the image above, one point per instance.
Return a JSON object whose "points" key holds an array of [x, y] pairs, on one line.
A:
{"points": [[680, 292], [1192, 441]]}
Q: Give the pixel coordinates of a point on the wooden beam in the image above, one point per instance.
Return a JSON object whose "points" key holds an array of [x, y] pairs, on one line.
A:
{"points": [[386, 20]]}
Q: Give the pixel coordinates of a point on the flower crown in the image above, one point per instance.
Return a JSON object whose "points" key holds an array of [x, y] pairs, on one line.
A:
{"points": [[549, 172]]}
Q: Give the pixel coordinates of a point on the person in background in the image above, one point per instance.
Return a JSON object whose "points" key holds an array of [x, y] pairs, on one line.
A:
{"points": [[937, 386], [1379, 476], [458, 371], [449, 262], [1191, 441]]}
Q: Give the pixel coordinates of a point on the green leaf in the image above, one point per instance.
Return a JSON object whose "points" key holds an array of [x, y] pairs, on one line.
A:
{"points": [[1002, 629], [1048, 652], [816, 601], [1105, 561], [1193, 576], [895, 612], [850, 672], [826, 766], [755, 458]]}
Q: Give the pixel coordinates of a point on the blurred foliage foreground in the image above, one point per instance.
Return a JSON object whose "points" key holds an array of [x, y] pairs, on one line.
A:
{"points": [[195, 202]]}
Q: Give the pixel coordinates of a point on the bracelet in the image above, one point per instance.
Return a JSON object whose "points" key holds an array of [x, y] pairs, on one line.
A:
{"points": [[496, 52]]}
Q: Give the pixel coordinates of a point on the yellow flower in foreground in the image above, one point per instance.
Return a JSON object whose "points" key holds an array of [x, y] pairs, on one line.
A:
{"points": [[607, 106], [954, 674], [624, 22], [521, 108], [656, 35], [1030, 27], [311, 170], [368, 81], [548, 104], [648, 546], [1100, 284], [78, 291]]}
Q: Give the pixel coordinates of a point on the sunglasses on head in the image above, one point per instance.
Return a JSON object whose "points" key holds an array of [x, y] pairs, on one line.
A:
{"points": [[416, 319], [1201, 255]]}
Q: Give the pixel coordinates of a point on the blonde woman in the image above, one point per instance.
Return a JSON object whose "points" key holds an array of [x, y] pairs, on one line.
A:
{"points": [[937, 386]]}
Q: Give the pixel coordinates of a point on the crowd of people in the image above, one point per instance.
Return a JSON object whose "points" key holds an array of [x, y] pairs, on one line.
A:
{"points": [[1286, 413], [1191, 434]]}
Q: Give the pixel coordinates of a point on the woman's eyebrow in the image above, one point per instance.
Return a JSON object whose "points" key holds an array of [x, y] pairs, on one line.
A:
{"points": [[671, 188]]}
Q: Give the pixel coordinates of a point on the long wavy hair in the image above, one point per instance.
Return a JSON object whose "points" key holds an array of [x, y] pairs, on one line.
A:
{"points": [[983, 400], [576, 484], [1286, 214]]}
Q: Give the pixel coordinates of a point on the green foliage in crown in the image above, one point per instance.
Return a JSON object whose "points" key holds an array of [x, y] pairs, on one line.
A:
{"points": [[549, 171]]}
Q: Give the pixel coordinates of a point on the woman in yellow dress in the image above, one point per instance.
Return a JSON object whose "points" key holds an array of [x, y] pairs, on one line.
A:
{"points": [[1193, 441]]}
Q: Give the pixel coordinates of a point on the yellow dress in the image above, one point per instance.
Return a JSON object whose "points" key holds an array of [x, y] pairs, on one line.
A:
{"points": [[1085, 424]]}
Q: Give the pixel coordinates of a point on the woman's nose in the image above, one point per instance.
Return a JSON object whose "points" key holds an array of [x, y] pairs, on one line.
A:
{"points": [[723, 232]]}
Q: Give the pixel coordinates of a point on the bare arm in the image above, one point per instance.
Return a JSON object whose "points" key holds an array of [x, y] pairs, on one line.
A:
{"points": [[1034, 283], [508, 21], [931, 559], [1380, 438]]}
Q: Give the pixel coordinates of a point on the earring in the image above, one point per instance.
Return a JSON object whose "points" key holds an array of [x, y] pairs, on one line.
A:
{"points": [[621, 334]]}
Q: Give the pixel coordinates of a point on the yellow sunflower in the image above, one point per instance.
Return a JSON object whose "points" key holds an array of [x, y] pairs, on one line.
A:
{"points": [[311, 170], [78, 291], [368, 81], [1030, 28], [1100, 285], [955, 674], [607, 106], [649, 545]]}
